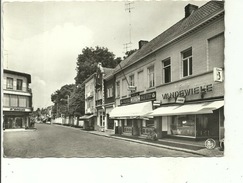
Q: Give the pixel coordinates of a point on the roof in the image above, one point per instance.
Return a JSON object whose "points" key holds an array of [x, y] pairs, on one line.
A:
{"points": [[28, 76], [200, 15], [108, 72], [89, 78]]}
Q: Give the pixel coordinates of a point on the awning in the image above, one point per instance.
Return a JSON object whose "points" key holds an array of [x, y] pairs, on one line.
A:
{"points": [[200, 108], [87, 116], [139, 110], [163, 111]]}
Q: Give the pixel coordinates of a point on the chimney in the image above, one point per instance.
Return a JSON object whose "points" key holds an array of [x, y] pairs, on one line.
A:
{"points": [[189, 9], [141, 43]]}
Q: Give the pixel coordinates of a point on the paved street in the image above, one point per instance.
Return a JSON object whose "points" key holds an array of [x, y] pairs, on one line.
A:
{"points": [[61, 141]]}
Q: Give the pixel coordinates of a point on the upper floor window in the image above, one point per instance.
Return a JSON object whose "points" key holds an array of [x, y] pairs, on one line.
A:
{"points": [[118, 88], [109, 92], [98, 94], [9, 83], [16, 101], [166, 71], [151, 76], [187, 62], [140, 81], [19, 84], [124, 87], [131, 80]]}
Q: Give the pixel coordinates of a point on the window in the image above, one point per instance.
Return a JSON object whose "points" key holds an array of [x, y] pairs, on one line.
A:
{"points": [[187, 63], [131, 80], [183, 125], [166, 71], [124, 87], [9, 83], [140, 81], [22, 101], [109, 92], [151, 76], [216, 52], [6, 99], [118, 88], [19, 84], [13, 101], [98, 94]]}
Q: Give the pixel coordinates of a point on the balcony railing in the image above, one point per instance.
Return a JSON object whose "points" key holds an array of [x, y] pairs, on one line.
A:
{"points": [[146, 130], [127, 129]]}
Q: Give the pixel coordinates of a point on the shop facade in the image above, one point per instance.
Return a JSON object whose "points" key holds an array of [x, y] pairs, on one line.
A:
{"points": [[184, 67], [17, 100], [89, 119], [192, 110], [132, 117]]}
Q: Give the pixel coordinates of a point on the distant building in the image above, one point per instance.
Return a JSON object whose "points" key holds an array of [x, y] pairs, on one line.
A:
{"points": [[89, 119], [17, 99]]}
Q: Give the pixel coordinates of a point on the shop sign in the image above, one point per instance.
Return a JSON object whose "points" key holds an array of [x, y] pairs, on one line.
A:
{"points": [[125, 101], [156, 103], [218, 74], [135, 97], [180, 100], [17, 109], [131, 88], [189, 91], [148, 96]]}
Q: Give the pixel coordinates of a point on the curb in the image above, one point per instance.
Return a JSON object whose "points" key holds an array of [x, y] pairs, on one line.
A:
{"points": [[140, 142], [151, 144]]}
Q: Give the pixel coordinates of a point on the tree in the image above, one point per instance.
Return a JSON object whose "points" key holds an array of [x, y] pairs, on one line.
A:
{"points": [[61, 99], [86, 65], [88, 60], [128, 53]]}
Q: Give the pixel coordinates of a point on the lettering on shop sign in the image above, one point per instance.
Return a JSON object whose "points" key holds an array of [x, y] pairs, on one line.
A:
{"points": [[135, 97], [125, 101], [148, 96], [189, 91], [17, 109]]}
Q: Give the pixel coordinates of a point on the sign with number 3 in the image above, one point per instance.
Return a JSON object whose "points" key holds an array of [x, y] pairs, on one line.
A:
{"points": [[218, 74]]}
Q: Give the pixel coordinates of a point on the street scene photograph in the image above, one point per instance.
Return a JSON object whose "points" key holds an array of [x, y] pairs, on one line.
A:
{"points": [[125, 79]]}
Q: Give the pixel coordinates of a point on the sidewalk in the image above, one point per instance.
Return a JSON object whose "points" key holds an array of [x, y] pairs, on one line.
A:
{"points": [[19, 130], [179, 145]]}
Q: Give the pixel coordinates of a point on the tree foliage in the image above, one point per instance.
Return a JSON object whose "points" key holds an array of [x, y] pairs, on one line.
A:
{"points": [[128, 53], [62, 99], [88, 60], [86, 65]]}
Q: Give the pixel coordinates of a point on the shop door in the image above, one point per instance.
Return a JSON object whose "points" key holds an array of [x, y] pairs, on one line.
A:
{"points": [[19, 122]]}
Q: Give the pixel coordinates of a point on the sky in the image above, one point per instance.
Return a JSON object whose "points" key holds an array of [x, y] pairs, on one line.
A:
{"points": [[44, 38]]}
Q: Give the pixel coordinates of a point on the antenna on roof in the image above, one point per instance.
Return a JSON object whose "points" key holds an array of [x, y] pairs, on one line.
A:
{"points": [[128, 7]]}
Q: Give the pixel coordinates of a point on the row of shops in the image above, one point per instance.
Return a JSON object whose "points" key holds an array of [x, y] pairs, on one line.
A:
{"points": [[173, 84]]}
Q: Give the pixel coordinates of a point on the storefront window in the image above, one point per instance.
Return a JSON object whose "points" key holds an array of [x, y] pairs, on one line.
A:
{"points": [[183, 125], [129, 122]]}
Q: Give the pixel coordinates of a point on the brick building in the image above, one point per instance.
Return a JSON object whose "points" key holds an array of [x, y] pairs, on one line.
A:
{"points": [[176, 80]]}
